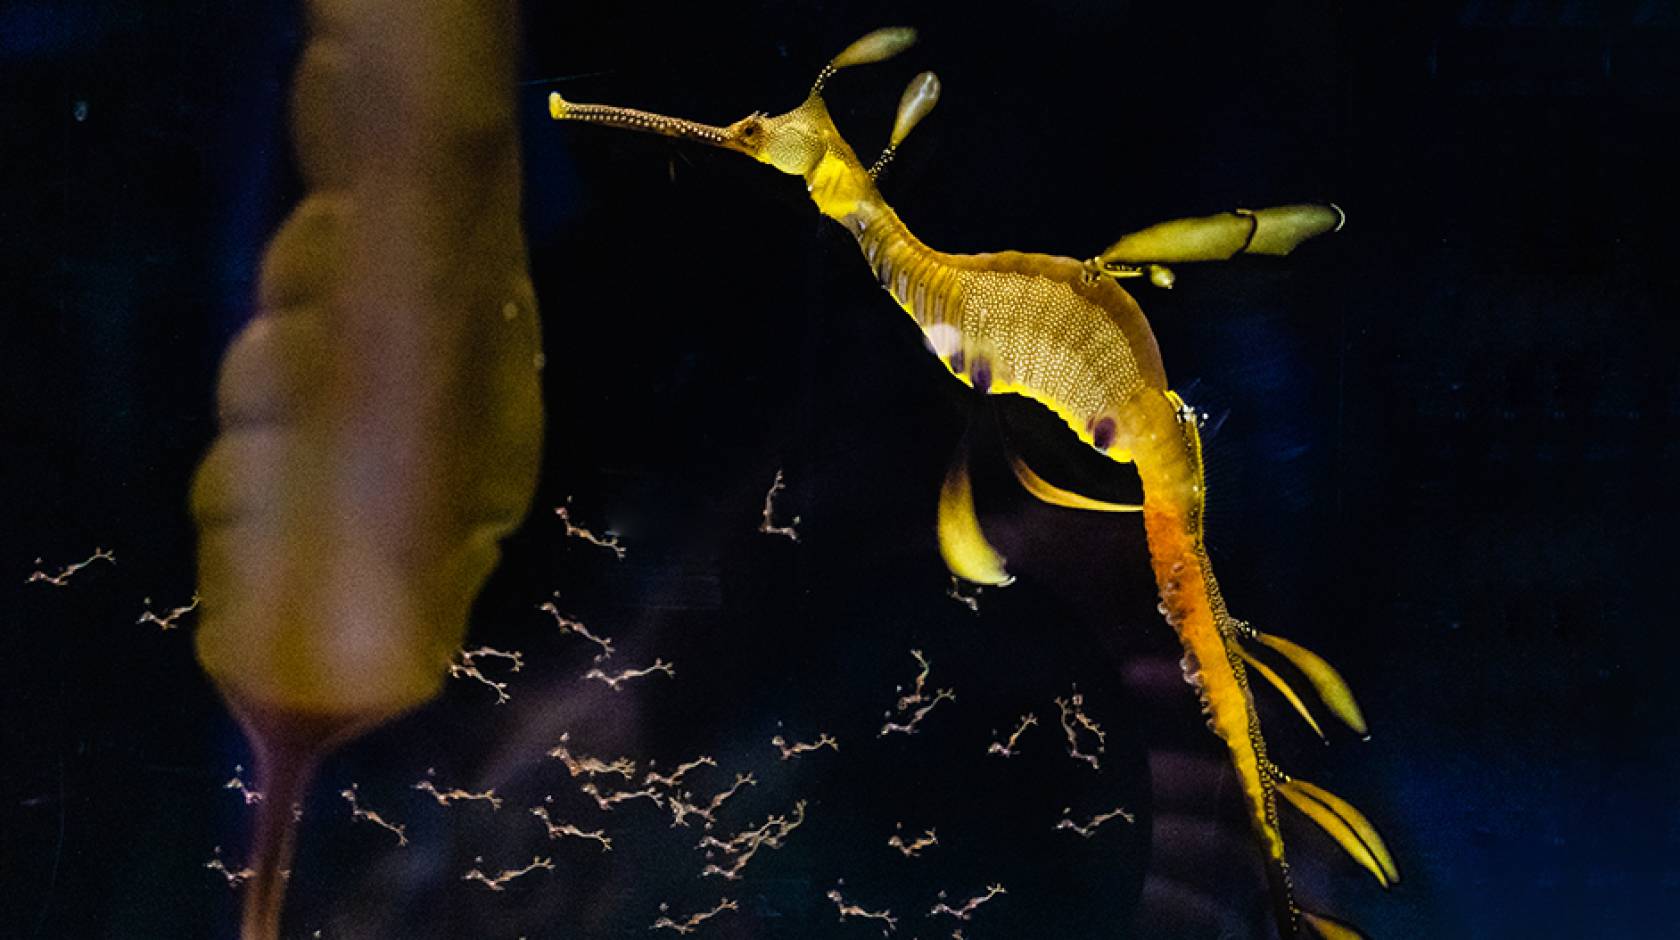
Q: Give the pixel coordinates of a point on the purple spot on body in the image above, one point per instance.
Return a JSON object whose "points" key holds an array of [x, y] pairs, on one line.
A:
{"points": [[982, 373], [1103, 434], [957, 361]]}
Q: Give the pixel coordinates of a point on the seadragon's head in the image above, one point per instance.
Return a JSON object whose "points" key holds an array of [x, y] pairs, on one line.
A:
{"points": [[802, 142]]}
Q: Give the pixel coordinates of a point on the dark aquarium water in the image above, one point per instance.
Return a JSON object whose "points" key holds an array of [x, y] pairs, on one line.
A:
{"points": [[1440, 447]]}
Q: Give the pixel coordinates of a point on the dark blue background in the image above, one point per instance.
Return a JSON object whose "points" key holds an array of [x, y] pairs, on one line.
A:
{"points": [[1444, 461]]}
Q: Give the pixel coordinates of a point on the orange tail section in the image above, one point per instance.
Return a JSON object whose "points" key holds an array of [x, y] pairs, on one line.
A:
{"points": [[1170, 466], [1214, 668]]}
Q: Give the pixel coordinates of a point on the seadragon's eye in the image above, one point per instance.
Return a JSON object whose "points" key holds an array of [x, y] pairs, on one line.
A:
{"points": [[750, 132]]}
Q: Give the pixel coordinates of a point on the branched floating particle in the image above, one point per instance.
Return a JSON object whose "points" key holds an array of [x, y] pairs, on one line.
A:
{"points": [[768, 525], [238, 784], [681, 809], [358, 811], [913, 848], [587, 766], [688, 924], [616, 682], [499, 881], [674, 779], [790, 751], [608, 800], [514, 658], [909, 727], [966, 911], [971, 601], [167, 621], [1007, 748], [560, 830], [234, 876], [744, 845], [848, 909], [741, 780], [609, 541], [682, 806], [428, 786], [466, 666], [64, 574], [1074, 720], [570, 625], [1089, 829], [917, 698]]}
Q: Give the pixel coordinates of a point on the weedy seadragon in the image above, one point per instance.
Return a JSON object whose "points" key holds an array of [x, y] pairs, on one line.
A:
{"points": [[1064, 333]]}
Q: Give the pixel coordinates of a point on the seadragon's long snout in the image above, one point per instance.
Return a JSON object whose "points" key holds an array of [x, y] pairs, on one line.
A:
{"points": [[646, 121]]}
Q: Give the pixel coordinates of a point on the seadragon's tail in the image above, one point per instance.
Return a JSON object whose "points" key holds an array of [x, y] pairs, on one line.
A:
{"points": [[1160, 436], [1216, 664]]}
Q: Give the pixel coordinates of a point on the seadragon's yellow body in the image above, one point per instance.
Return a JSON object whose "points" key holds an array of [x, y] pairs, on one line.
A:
{"points": [[1064, 333]]}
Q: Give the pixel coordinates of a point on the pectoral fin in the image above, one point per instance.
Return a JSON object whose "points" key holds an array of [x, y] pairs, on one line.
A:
{"points": [[961, 541], [1050, 493], [1326, 681], [1348, 826]]}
